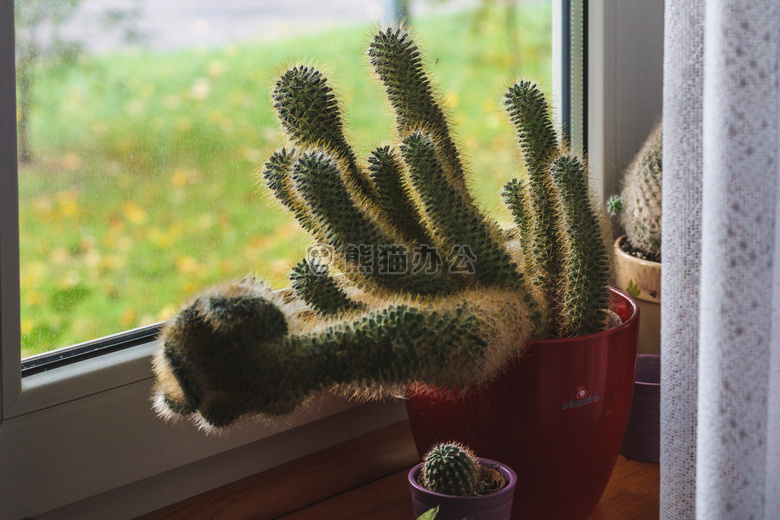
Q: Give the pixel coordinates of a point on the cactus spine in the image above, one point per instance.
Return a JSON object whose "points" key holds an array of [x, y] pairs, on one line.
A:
{"points": [[430, 289], [450, 469], [639, 204]]}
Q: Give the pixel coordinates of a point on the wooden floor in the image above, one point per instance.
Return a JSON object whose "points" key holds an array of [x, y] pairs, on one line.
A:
{"points": [[365, 479]]}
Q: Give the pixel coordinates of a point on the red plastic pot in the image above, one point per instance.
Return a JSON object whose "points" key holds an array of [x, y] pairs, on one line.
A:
{"points": [[495, 506], [557, 416]]}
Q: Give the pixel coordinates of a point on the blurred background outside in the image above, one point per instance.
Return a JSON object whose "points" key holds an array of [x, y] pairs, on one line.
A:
{"points": [[141, 125]]}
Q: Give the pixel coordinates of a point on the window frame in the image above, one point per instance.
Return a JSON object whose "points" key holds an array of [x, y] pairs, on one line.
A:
{"points": [[73, 435]]}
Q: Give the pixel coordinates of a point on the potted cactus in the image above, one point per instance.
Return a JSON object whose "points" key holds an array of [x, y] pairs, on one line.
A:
{"points": [[638, 251], [412, 290], [461, 485]]}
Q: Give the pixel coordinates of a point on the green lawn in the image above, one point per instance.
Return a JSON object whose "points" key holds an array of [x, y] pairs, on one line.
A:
{"points": [[144, 191]]}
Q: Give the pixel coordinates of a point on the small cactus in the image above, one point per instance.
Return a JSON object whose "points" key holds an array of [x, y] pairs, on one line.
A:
{"points": [[450, 469], [411, 282], [639, 204]]}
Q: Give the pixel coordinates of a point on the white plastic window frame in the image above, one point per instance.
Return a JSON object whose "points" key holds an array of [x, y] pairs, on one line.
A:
{"points": [[81, 440]]}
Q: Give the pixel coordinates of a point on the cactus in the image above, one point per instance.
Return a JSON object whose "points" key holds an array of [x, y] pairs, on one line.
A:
{"points": [[399, 65], [639, 203], [387, 175], [313, 284], [245, 349], [450, 468], [583, 299], [411, 283], [532, 200], [309, 113]]}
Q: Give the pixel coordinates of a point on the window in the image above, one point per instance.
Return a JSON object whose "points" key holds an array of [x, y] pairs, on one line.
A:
{"points": [[137, 144], [85, 428]]}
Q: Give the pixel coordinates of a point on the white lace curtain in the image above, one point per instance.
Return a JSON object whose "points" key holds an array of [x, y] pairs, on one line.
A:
{"points": [[720, 405]]}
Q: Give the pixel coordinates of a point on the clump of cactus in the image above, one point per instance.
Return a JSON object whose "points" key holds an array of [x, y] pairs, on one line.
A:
{"points": [[450, 468], [410, 282], [639, 204]]}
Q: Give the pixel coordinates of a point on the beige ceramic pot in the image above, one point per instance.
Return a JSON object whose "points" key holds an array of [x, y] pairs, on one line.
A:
{"points": [[642, 280]]}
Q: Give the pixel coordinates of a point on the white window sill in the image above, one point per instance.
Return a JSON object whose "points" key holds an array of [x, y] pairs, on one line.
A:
{"points": [[60, 456]]}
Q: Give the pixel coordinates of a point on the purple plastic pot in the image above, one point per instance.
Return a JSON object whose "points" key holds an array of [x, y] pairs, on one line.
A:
{"points": [[642, 440], [495, 506]]}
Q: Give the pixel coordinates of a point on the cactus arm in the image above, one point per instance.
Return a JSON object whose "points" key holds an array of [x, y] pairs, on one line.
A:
{"points": [[277, 176], [395, 197], [242, 350], [399, 65], [317, 177], [314, 285], [395, 346], [530, 114], [347, 227], [457, 220], [584, 295], [517, 199], [309, 113]]}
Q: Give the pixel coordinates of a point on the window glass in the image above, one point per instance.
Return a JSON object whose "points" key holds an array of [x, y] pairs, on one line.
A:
{"points": [[141, 125]]}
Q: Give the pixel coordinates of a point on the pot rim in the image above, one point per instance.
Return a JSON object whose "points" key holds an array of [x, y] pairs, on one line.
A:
{"points": [[505, 470], [629, 258], [626, 324]]}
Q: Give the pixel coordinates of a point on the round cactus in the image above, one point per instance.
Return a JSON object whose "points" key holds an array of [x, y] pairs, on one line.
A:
{"points": [[451, 469], [641, 197]]}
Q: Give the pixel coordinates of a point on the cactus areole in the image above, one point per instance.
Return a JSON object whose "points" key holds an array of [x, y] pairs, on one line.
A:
{"points": [[409, 282]]}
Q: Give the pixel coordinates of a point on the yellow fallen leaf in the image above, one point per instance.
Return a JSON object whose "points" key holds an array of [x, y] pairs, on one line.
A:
{"points": [[27, 326], [128, 318], [166, 313], [187, 265], [452, 99], [133, 213], [68, 203], [32, 298]]}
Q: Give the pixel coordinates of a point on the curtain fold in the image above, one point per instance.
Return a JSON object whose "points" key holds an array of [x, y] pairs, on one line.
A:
{"points": [[681, 246], [720, 333]]}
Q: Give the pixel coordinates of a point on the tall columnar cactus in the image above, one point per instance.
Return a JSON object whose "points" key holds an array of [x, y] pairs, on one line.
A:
{"points": [[409, 281], [532, 199], [639, 203], [584, 265], [450, 469]]}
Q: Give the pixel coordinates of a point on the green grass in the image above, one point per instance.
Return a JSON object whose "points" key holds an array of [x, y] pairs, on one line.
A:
{"points": [[144, 190]]}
